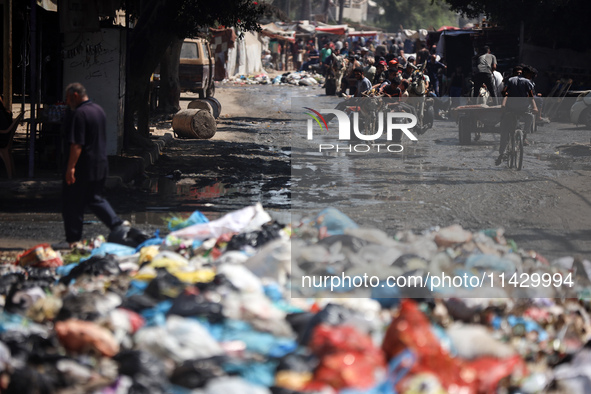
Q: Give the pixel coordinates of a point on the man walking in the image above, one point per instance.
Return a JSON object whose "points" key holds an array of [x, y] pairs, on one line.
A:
{"points": [[87, 166]]}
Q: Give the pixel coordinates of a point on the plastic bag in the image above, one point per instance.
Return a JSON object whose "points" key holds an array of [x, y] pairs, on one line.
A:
{"points": [[412, 330], [147, 371], [331, 221], [244, 220], [79, 336], [164, 286], [191, 305], [348, 369], [328, 339], [226, 385], [94, 266], [196, 218], [88, 306], [196, 373], [255, 239], [490, 371], [40, 256], [180, 340]]}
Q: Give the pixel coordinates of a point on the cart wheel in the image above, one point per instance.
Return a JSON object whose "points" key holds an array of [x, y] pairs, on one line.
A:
{"points": [[519, 149], [465, 128], [512, 154]]}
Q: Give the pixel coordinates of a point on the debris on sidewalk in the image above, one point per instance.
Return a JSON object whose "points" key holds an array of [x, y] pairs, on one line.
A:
{"points": [[220, 307], [296, 78]]}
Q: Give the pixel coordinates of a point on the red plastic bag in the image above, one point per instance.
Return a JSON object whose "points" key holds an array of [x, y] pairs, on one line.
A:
{"points": [[348, 369], [490, 371], [412, 330], [41, 256], [330, 339], [348, 357]]}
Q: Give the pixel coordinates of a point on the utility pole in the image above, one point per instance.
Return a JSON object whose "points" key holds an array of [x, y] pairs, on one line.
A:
{"points": [[306, 10], [341, 10]]}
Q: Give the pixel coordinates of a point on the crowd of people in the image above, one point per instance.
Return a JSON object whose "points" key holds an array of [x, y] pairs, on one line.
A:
{"points": [[403, 69]]}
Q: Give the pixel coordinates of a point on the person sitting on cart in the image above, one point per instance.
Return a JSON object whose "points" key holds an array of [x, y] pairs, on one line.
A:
{"points": [[518, 99]]}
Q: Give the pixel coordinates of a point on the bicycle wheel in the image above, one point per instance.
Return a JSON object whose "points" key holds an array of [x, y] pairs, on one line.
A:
{"points": [[512, 151], [519, 149]]}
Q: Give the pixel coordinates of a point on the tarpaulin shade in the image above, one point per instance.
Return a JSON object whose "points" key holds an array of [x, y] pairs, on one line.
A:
{"points": [[363, 33], [336, 30]]}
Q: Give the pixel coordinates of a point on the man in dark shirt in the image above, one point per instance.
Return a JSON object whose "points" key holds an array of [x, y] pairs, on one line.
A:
{"points": [[518, 99], [87, 166], [363, 84], [422, 55]]}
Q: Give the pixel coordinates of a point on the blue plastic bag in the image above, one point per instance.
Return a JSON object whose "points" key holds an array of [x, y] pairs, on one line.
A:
{"points": [[196, 218], [334, 221]]}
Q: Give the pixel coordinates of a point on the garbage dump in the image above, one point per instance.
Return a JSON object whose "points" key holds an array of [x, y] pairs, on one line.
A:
{"points": [[222, 306], [295, 78]]}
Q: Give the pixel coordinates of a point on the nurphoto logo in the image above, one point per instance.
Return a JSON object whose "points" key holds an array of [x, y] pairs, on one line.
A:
{"points": [[393, 121]]}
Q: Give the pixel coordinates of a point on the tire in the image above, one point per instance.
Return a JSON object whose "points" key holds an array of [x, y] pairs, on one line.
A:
{"points": [[585, 117], [429, 116], [465, 130], [512, 151], [210, 90], [519, 149], [216, 105]]}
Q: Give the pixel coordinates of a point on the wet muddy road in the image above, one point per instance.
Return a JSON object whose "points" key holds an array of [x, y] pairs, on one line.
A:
{"points": [[545, 207]]}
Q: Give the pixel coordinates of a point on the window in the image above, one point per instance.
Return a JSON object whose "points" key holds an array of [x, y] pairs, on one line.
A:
{"points": [[189, 50]]}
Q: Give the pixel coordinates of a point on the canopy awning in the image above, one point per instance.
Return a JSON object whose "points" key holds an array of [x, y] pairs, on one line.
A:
{"points": [[337, 30], [442, 28], [274, 31], [363, 33], [48, 5]]}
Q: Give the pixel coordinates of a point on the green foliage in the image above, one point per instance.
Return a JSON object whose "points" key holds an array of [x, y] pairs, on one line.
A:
{"points": [[415, 14], [553, 23], [195, 14]]}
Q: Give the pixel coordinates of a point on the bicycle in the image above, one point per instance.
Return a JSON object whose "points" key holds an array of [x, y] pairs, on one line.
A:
{"points": [[514, 150]]}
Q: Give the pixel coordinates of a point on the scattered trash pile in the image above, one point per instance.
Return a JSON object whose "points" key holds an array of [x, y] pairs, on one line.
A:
{"points": [[260, 79], [297, 78], [213, 307]]}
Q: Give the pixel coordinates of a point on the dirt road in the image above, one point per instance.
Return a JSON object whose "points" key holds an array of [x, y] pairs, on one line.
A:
{"points": [[434, 182]]}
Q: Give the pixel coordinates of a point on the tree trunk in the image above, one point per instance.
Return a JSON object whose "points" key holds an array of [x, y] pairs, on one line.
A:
{"points": [[170, 90], [149, 40]]}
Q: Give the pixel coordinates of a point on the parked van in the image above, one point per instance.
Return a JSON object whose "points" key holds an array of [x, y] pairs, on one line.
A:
{"points": [[196, 67]]}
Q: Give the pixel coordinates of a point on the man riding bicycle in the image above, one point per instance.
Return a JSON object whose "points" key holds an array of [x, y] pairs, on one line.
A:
{"points": [[517, 101]]}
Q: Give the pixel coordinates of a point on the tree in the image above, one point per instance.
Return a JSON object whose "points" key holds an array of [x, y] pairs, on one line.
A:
{"points": [[415, 14], [159, 23], [552, 23], [170, 92]]}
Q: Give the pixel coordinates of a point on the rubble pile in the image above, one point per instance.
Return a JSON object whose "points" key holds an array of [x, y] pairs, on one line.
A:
{"points": [[219, 307], [296, 78]]}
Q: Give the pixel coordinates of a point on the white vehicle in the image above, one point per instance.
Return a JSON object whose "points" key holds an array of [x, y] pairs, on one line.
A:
{"points": [[580, 112]]}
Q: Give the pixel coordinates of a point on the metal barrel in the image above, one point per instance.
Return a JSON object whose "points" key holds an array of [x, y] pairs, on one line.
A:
{"points": [[194, 124]]}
